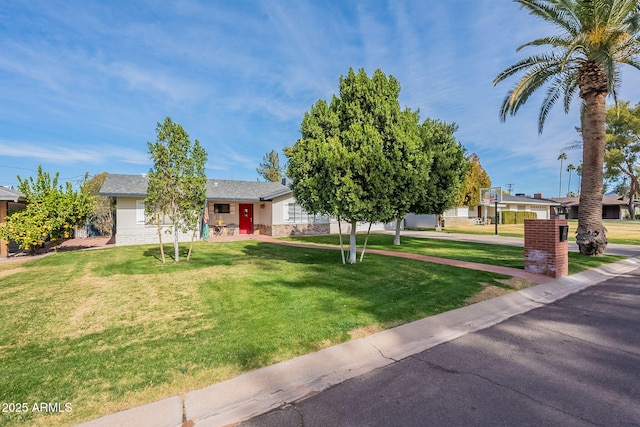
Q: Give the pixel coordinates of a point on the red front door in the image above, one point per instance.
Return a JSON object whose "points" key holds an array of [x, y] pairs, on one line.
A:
{"points": [[246, 218]]}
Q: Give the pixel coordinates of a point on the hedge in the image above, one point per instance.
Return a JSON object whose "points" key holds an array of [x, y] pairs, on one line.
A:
{"points": [[512, 217]]}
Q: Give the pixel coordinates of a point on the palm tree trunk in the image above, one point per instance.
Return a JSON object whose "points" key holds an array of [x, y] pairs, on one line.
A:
{"points": [[560, 189], [590, 235]]}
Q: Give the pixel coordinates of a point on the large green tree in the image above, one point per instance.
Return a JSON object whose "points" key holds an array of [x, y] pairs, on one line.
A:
{"points": [[594, 37], [270, 168], [344, 163], [448, 172], [411, 160], [52, 213], [622, 156], [177, 182]]}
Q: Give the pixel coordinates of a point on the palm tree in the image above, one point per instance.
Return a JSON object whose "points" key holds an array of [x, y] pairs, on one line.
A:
{"points": [[594, 38], [579, 173], [570, 168], [561, 157]]}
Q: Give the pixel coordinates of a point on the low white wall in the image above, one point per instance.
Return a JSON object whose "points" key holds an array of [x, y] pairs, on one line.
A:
{"points": [[130, 232], [361, 227], [420, 221]]}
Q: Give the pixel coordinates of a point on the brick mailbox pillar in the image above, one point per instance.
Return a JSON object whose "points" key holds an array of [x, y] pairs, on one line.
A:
{"points": [[546, 247]]}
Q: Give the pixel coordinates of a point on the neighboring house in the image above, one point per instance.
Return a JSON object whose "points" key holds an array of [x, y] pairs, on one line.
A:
{"points": [[613, 207], [9, 200], [244, 207], [464, 215]]}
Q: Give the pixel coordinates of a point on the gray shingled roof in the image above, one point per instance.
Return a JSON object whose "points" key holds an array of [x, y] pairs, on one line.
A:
{"points": [[10, 194], [506, 198], [606, 200], [217, 189]]}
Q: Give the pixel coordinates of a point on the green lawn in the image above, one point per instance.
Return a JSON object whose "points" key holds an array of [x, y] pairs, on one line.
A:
{"points": [[621, 232], [506, 256], [111, 329]]}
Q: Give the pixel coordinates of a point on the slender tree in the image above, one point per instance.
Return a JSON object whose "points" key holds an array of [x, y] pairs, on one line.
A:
{"points": [[561, 157], [594, 38], [270, 168], [177, 181]]}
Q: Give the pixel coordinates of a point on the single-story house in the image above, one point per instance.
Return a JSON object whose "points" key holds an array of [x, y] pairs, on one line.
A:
{"points": [[10, 200], [483, 214], [243, 207], [613, 207]]}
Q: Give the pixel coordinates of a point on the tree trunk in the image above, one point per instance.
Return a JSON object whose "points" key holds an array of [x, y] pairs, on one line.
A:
{"points": [[396, 239], [364, 247], [590, 235], [160, 238], [340, 236], [635, 189], [176, 247], [352, 243]]}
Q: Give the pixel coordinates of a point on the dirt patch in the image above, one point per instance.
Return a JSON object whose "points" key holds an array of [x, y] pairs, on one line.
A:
{"points": [[517, 283], [372, 329], [7, 273], [492, 291]]}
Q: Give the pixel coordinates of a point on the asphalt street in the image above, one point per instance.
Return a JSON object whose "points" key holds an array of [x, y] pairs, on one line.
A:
{"points": [[575, 362]]}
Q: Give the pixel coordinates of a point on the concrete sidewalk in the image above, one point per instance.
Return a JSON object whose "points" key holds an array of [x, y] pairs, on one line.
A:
{"points": [[262, 390]]}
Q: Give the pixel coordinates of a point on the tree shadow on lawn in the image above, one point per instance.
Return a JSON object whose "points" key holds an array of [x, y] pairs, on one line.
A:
{"points": [[391, 289], [483, 253], [151, 260]]}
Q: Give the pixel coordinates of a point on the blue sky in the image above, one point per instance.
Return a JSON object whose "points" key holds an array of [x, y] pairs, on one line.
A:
{"points": [[83, 83]]}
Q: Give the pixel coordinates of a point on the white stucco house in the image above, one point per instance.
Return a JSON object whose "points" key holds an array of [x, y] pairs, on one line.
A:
{"points": [[463, 215], [242, 207]]}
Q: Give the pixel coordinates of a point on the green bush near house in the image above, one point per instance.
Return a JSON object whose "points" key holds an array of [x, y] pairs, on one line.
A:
{"points": [[511, 217]]}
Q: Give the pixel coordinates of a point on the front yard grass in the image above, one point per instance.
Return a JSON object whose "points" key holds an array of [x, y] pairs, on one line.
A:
{"points": [[621, 232], [111, 329], [506, 256]]}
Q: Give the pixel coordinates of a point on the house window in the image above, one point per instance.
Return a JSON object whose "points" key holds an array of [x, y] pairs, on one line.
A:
{"points": [[143, 218], [140, 216], [451, 213], [294, 213], [222, 208]]}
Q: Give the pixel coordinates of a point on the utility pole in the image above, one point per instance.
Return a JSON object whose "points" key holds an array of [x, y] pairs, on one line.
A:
{"points": [[510, 188]]}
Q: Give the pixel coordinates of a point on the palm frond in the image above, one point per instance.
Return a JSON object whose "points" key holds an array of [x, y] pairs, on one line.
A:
{"points": [[604, 32], [552, 41], [559, 12]]}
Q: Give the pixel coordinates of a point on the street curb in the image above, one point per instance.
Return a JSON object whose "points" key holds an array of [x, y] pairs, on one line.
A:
{"points": [[265, 389]]}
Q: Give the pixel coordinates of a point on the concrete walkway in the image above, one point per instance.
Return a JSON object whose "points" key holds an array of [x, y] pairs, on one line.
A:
{"points": [[514, 272], [260, 391]]}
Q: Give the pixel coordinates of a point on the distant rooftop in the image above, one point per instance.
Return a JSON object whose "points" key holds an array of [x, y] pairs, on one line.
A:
{"points": [[10, 194]]}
